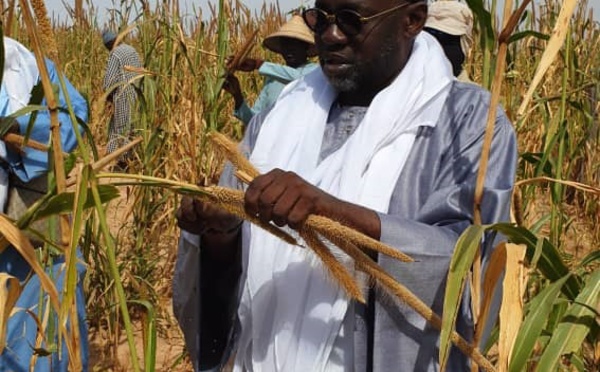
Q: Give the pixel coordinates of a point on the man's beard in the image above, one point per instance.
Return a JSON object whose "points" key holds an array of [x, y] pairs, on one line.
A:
{"points": [[358, 75], [350, 82]]}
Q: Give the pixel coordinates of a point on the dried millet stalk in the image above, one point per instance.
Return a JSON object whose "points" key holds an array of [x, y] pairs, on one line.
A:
{"points": [[232, 201], [328, 227], [46, 31], [323, 225], [335, 268], [233, 154]]}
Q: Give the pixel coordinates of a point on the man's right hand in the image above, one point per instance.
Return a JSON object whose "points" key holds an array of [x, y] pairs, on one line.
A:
{"points": [[201, 218], [232, 86], [245, 65], [250, 64]]}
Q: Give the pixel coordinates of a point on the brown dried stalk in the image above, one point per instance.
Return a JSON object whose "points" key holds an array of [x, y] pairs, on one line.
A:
{"points": [[43, 24], [19, 141], [241, 54], [232, 153], [109, 158]]}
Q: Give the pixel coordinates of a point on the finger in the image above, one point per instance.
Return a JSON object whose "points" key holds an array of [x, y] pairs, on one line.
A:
{"points": [[300, 212], [255, 189], [193, 227], [269, 197], [283, 207], [186, 209]]}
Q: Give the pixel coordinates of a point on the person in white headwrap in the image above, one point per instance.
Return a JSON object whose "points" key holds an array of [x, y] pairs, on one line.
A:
{"points": [[22, 179], [451, 23]]}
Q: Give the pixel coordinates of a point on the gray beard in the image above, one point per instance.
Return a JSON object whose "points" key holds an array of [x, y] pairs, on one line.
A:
{"points": [[349, 83], [352, 82]]}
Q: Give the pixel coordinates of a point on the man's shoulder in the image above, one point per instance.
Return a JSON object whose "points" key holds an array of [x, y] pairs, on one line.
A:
{"points": [[124, 50], [470, 97], [469, 90], [467, 109]]}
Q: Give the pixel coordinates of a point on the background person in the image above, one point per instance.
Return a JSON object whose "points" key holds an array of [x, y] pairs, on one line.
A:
{"points": [[25, 171], [295, 43], [451, 23], [122, 95]]}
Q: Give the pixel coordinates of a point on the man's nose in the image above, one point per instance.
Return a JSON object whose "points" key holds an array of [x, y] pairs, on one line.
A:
{"points": [[332, 35]]}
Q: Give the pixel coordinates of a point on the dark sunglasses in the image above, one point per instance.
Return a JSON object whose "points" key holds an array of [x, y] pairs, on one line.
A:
{"points": [[348, 21]]}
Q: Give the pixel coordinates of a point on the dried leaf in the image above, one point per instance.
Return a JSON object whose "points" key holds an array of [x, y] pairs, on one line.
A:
{"points": [[511, 311], [10, 289]]}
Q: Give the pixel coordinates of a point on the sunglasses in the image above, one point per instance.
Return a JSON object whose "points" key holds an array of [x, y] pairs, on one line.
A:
{"points": [[348, 21]]}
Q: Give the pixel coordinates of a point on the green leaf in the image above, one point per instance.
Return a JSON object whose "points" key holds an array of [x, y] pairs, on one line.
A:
{"points": [[590, 258], [523, 34], [63, 203], [78, 206], [460, 266], [540, 307], [150, 337], [574, 327]]}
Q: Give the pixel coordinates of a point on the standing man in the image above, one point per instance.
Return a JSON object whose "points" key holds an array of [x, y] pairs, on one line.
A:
{"points": [[119, 81], [382, 138], [23, 181], [295, 43], [451, 23]]}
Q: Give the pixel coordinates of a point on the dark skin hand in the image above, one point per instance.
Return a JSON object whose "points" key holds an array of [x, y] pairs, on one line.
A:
{"points": [[280, 197], [248, 64], [218, 228], [232, 86]]}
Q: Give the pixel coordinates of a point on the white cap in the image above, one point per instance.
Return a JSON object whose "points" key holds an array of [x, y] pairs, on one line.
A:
{"points": [[454, 18]]}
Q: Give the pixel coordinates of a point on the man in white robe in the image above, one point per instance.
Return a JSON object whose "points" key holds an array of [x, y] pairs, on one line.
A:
{"points": [[382, 138]]}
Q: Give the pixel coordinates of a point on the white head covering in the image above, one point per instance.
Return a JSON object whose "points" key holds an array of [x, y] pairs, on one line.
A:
{"points": [[20, 76], [454, 18]]}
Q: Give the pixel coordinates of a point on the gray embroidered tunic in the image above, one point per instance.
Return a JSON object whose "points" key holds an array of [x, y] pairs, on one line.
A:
{"points": [[431, 205]]}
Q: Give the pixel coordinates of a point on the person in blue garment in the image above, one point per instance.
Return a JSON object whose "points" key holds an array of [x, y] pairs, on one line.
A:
{"points": [[23, 167], [295, 42]]}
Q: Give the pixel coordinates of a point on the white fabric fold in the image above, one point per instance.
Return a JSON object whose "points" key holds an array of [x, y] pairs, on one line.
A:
{"points": [[290, 310], [20, 74]]}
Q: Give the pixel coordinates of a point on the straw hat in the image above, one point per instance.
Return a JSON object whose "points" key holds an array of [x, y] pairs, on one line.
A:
{"points": [[454, 18], [295, 28]]}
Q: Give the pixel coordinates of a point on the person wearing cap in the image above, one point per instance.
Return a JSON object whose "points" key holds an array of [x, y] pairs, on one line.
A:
{"points": [[295, 43], [451, 23], [383, 139], [118, 81], [23, 181]]}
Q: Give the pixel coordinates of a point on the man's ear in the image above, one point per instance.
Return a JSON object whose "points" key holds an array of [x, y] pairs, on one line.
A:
{"points": [[416, 15]]}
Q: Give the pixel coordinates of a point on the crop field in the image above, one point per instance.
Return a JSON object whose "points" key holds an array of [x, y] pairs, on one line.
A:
{"points": [[542, 67]]}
